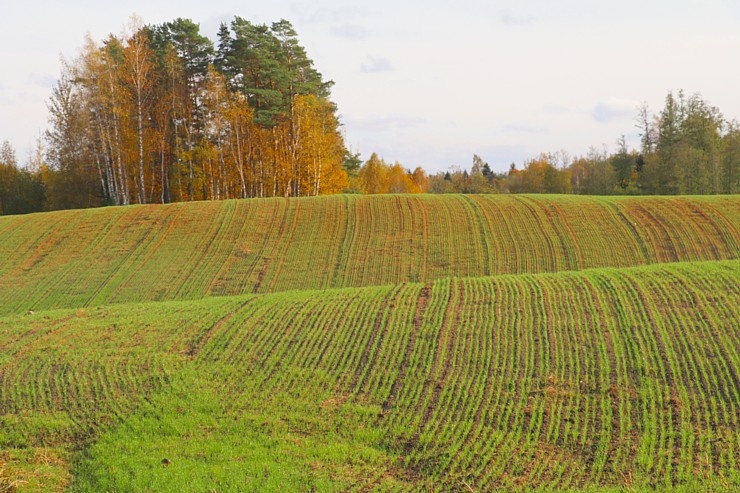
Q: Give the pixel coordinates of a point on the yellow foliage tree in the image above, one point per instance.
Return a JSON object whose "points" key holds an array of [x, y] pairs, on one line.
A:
{"points": [[319, 148], [399, 181], [374, 176]]}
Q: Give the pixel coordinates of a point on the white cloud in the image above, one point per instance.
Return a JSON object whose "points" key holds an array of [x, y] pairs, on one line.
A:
{"points": [[516, 20], [332, 14], [350, 31], [525, 128], [376, 65], [45, 81], [385, 123], [614, 109]]}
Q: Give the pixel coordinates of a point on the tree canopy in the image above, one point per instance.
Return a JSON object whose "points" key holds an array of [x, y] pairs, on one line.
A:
{"points": [[160, 114]]}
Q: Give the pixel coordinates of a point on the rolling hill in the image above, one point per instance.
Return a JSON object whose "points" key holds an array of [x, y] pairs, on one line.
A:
{"points": [[389, 343], [191, 250]]}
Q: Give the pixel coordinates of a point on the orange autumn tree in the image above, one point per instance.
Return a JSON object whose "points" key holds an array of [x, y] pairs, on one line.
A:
{"points": [[159, 114], [399, 180], [373, 175], [320, 147], [377, 176], [540, 175]]}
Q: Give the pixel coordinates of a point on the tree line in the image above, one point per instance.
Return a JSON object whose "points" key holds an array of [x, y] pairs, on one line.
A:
{"points": [[689, 147], [162, 114], [21, 188]]}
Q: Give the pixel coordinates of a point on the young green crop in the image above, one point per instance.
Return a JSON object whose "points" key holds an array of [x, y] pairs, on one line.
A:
{"points": [[587, 381], [415, 378], [190, 250]]}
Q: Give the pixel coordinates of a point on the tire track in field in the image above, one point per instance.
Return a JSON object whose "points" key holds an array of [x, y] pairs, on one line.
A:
{"points": [[476, 216], [664, 245], [726, 233], [421, 305], [666, 438], [349, 215], [374, 343], [221, 284], [285, 240], [648, 255], [196, 346], [700, 220], [571, 250], [614, 393], [550, 264], [267, 260], [170, 219], [441, 365]]}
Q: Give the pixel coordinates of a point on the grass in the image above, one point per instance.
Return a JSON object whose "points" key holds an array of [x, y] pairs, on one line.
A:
{"points": [[600, 380], [390, 343], [74, 259]]}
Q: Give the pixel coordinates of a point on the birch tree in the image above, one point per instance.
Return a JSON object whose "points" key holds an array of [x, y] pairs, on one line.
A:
{"points": [[139, 70]]}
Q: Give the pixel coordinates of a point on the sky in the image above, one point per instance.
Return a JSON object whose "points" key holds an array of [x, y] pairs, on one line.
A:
{"points": [[430, 83]]}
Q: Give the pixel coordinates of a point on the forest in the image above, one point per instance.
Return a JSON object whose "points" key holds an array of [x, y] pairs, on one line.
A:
{"points": [[163, 114]]}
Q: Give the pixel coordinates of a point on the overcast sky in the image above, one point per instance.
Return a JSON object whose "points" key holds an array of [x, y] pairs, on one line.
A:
{"points": [[429, 83]]}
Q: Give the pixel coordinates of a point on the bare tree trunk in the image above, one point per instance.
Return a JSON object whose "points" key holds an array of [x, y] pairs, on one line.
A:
{"points": [[142, 188], [239, 160]]}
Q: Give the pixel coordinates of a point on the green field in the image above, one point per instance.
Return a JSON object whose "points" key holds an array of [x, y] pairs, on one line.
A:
{"points": [[394, 343], [191, 250]]}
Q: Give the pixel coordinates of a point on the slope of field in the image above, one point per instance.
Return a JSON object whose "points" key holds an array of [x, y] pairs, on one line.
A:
{"points": [[571, 381], [191, 250]]}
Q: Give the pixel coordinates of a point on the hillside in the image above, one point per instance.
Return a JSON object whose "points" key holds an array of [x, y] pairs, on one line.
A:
{"points": [[191, 250], [394, 343], [576, 380]]}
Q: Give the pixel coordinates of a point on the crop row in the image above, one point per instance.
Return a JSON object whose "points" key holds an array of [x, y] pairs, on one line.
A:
{"points": [[188, 251], [567, 380], [65, 376], [571, 380]]}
